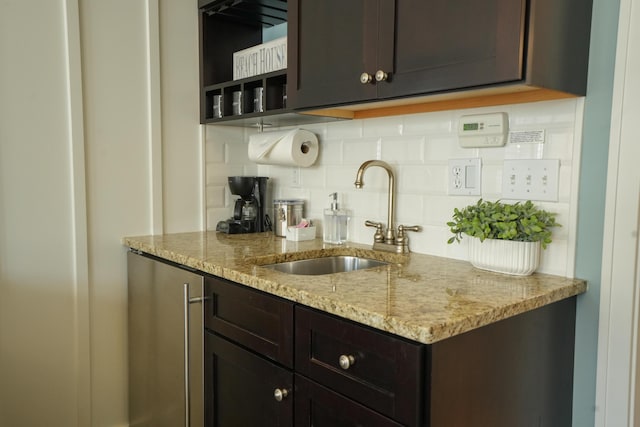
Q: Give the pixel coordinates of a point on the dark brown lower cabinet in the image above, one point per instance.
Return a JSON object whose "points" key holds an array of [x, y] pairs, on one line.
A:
{"points": [[516, 372], [240, 387]]}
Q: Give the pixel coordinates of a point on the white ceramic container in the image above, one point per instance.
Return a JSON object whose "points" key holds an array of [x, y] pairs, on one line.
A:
{"points": [[504, 256]]}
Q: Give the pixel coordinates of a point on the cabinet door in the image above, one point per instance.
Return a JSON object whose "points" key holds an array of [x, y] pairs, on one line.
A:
{"points": [[318, 406], [444, 45], [331, 43], [240, 386]]}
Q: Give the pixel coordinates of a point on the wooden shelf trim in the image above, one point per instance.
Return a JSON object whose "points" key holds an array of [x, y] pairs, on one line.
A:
{"points": [[454, 101]]}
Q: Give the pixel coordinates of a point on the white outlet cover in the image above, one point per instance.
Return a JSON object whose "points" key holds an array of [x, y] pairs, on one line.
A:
{"points": [[465, 177], [531, 179], [296, 180]]}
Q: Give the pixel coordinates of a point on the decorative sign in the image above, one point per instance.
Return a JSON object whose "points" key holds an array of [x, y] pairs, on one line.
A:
{"points": [[260, 59]]}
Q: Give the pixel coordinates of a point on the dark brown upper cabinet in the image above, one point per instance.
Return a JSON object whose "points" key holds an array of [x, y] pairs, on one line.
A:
{"points": [[409, 52], [228, 26]]}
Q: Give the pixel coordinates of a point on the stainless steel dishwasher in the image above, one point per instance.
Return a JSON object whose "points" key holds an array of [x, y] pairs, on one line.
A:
{"points": [[165, 344]]}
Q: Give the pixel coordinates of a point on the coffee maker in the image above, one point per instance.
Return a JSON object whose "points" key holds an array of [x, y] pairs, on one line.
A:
{"points": [[249, 213]]}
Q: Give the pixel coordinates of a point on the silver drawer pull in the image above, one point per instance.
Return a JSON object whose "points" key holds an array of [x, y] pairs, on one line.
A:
{"points": [[346, 362], [280, 394]]}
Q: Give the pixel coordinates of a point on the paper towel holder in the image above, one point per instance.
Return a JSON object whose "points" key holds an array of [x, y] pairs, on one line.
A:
{"points": [[261, 125]]}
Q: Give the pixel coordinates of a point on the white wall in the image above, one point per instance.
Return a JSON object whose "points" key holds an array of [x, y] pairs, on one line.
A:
{"points": [[86, 157], [418, 146], [182, 146], [37, 274]]}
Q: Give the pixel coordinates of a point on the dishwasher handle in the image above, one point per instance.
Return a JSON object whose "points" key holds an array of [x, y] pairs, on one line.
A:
{"points": [[187, 351]]}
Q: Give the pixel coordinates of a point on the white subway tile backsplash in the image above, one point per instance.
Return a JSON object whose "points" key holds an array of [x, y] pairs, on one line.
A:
{"points": [[356, 151], [330, 152], [402, 150], [339, 178], [418, 147], [313, 177], [553, 258], [524, 151], [319, 129], [409, 208], [214, 153], [237, 151], [345, 129], [491, 179], [365, 204], [545, 113], [559, 143], [439, 209], [223, 134], [386, 126], [414, 179], [489, 154], [216, 174], [216, 196], [445, 147], [437, 123]]}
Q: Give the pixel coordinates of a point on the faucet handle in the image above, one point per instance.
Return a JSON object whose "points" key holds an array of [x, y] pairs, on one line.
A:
{"points": [[402, 228], [402, 238], [379, 236]]}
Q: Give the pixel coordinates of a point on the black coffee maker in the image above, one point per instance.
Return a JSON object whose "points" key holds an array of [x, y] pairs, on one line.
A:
{"points": [[249, 213]]}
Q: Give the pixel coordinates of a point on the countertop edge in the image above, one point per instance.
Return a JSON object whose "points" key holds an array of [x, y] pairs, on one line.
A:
{"points": [[426, 334]]}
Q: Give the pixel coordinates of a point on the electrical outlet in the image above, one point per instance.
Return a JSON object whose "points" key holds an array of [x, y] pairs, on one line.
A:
{"points": [[295, 177], [464, 177], [531, 180]]}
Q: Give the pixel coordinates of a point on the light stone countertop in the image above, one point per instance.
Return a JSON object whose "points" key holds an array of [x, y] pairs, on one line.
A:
{"points": [[420, 297]]}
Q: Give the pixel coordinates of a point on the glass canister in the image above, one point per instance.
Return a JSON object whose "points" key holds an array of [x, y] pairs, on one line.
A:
{"points": [[286, 212]]}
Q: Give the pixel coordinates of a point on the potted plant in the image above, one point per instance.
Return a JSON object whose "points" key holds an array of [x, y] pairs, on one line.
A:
{"points": [[505, 238]]}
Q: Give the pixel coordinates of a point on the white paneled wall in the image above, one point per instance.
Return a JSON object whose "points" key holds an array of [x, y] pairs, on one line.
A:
{"points": [[418, 146]]}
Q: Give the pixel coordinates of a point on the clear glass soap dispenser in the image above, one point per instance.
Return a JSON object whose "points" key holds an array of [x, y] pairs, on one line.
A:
{"points": [[336, 222]]}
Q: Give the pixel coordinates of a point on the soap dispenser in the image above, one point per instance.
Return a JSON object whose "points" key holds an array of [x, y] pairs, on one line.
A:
{"points": [[336, 222]]}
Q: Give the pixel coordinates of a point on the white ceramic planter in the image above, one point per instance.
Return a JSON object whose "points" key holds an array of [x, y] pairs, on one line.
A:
{"points": [[504, 256]]}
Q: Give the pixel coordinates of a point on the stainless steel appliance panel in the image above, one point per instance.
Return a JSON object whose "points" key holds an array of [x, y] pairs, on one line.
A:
{"points": [[165, 331]]}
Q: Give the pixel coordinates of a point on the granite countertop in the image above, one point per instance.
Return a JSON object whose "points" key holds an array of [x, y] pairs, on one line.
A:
{"points": [[420, 297]]}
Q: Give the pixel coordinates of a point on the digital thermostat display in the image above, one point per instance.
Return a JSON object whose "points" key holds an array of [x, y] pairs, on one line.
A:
{"points": [[483, 130]]}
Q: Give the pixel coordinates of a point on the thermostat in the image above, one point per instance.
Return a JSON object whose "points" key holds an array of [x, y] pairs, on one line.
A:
{"points": [[483, 130]]}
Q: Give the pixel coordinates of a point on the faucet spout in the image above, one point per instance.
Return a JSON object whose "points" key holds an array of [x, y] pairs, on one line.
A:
{"points": [[390, 234]]}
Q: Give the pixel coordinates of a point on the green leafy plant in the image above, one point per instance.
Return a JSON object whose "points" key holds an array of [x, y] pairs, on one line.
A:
{"points": [[495, 220]]}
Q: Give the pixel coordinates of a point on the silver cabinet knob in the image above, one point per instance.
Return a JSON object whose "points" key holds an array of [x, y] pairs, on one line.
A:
{"points": [[346, 362], [280, 394], [381, 76], [366, 78]]}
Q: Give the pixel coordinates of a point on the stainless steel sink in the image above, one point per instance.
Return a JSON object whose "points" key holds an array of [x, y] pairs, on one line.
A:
{"points": [[325, 265]]}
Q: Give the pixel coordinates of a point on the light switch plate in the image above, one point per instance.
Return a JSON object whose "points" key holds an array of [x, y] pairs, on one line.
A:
{"points": [[531, 180], [465, 177]]}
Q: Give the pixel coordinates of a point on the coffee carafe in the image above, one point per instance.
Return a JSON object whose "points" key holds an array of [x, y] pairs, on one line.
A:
{"points": [[249, 214]]}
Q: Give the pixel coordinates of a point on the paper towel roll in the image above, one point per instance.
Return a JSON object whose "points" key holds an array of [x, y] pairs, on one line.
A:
{"points": [[296, 147]]}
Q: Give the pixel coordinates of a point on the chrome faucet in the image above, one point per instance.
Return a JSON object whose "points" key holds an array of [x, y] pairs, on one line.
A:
{"points": [[387, 240]]}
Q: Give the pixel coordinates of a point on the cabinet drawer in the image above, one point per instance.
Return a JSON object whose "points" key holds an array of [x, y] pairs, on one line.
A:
{"points": [[251, 318], [318, 406], [378, 370]]}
